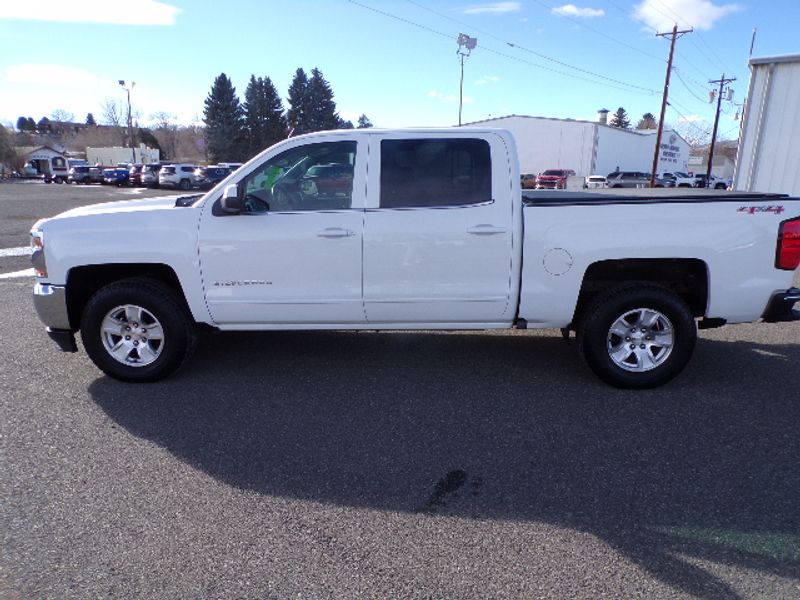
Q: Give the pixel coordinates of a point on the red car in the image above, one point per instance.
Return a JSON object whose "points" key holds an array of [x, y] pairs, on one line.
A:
{"points": [[553, 179]]}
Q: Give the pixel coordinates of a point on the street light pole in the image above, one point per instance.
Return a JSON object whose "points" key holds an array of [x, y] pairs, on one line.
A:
{"points": [[130, 120], [466, 45]]}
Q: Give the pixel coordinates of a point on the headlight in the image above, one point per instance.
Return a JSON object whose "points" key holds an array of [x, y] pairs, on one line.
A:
{"points": [[37, 257]]}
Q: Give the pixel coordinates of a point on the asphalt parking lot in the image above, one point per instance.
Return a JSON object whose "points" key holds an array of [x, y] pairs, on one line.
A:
{"points": [[390, 465]]}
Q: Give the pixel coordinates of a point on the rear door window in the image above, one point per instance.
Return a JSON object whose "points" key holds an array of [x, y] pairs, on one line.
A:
{"points": [[435, 172]]}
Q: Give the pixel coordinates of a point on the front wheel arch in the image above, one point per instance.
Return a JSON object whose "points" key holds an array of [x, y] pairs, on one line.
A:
{"points": [[137, 330]]}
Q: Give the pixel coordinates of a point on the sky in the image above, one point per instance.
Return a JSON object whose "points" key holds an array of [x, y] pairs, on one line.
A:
{"points": [[395, 61]]}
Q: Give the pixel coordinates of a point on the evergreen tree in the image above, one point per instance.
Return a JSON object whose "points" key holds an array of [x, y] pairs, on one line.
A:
{"points": [[648, 121], [620, 119], [364, 122], [43, 126], [264, 120], [22, 124], [298, 113], [323, 115], [224, 122], [31, 124], [90, 119]]}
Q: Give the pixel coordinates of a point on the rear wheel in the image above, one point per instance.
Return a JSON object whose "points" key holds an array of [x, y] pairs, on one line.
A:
{"points": [[184, 184], [637, 337], [137, 330]]}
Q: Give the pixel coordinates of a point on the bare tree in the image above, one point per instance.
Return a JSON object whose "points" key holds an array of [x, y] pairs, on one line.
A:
{"points": [[166, 132], [112, 113], [61, 115]]}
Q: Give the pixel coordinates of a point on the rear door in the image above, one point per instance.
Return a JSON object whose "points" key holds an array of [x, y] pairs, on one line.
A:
{"points": [[439, 231]]}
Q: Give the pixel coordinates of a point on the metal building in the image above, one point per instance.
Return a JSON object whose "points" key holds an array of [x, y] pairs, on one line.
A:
{"points": [[590, 147], [769, 152]]}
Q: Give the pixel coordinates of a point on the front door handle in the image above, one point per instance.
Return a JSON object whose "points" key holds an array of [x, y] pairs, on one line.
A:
{"points": [[335, 232], [486, 229]]}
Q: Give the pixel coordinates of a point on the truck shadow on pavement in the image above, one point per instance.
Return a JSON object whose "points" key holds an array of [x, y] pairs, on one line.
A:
{"points": [[499, 426]]}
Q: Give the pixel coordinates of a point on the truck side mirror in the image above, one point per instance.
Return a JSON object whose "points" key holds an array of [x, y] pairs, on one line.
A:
{"points": [[231, 201]]}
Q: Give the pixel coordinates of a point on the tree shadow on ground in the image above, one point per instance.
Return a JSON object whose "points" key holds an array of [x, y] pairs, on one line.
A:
{"points": [[499, 426]]}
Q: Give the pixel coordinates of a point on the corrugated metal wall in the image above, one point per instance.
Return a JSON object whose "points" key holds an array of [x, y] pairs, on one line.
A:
{"points": [[769, 149]]}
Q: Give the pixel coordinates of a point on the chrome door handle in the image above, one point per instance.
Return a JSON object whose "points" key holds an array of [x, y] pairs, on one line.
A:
{"points": [[486, 229], [335, 232]]}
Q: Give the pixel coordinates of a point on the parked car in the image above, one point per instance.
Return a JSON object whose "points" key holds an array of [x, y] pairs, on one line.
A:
{"points": [[207, 177], [96, 174], [149, 174], [528, 181], [118, 177], [716, 183], [593, 182], [79, 174], [179, 176], [633, 179], [553, 179], [135, 174]]}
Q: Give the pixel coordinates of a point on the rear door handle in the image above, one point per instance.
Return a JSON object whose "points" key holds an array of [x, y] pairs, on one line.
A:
{"points": [[486, 229], [335, 232]]}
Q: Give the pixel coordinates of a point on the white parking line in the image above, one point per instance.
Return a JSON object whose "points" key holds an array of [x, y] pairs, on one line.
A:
{"points": [[16, 274], [23, 251]]}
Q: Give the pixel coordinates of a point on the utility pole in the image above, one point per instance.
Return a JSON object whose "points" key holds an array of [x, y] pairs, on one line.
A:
{"points": [[674, 35], [722, 83]]}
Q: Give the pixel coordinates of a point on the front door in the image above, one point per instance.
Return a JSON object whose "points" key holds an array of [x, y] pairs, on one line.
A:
{"points": [[294, 257]]}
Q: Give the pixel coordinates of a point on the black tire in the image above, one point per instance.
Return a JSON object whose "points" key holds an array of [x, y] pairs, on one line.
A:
{"points": [[159, 309], [648, 357], [185, 184]]}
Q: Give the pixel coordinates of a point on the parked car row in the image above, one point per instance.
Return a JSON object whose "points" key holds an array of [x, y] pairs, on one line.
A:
{"points": [[183, 176]]}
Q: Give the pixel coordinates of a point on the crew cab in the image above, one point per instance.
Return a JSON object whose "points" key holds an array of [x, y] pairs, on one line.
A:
{"points": [[412, 229]]}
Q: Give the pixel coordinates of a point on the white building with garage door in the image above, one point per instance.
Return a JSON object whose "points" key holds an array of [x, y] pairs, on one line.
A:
{"points": [[589, 147]]}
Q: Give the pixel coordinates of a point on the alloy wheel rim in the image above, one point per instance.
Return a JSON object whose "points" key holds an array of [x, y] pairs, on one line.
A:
{"points": [[132, 335], [640, 340]]}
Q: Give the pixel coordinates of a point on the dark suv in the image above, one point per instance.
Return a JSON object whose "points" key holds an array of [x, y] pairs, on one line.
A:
{"points": [[207, 177], [80, 174]]}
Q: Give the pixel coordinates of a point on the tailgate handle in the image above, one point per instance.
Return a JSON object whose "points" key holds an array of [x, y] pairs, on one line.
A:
{"points": [[486, 229]]}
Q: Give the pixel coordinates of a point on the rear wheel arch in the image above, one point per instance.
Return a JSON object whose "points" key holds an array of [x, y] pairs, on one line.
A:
{"points": [[688, 278]]}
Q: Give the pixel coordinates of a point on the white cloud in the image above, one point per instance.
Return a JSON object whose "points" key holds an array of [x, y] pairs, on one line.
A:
{"points": [[570, 10], [113, 12], [488, 79], [495, 8], [661, 15]]}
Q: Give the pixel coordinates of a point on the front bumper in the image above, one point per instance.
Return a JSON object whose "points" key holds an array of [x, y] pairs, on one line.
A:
{"points": [[780, 308], [50, 302]]}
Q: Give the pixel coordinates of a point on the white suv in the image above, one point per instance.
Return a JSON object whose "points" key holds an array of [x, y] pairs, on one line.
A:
{"points": [[179, 175]]}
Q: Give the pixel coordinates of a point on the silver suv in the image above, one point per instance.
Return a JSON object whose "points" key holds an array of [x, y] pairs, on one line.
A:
{"points": [[180, 176]]}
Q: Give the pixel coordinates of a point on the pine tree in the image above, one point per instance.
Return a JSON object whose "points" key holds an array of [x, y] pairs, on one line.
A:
{"points": [[224, 121], [364, 122], [620, 119], [43, 126], [298, 113], [31, 124], [323, 115], [90, 119], [264, 120]]}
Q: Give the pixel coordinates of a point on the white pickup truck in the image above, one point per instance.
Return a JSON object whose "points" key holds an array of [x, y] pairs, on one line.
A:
{"points": [[412, 229]]}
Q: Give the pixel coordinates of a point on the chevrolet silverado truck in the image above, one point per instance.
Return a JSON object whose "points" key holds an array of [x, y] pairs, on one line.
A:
{"points": [[412, 229]]}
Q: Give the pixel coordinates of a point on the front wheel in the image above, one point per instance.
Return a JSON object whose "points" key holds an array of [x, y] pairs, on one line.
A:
{"points": [[136, 330], [637, 337]]}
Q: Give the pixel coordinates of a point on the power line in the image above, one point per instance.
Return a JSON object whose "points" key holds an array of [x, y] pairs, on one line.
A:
{"points": [[603, 34], [632, 87], [688, 89], [535, 53]]}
